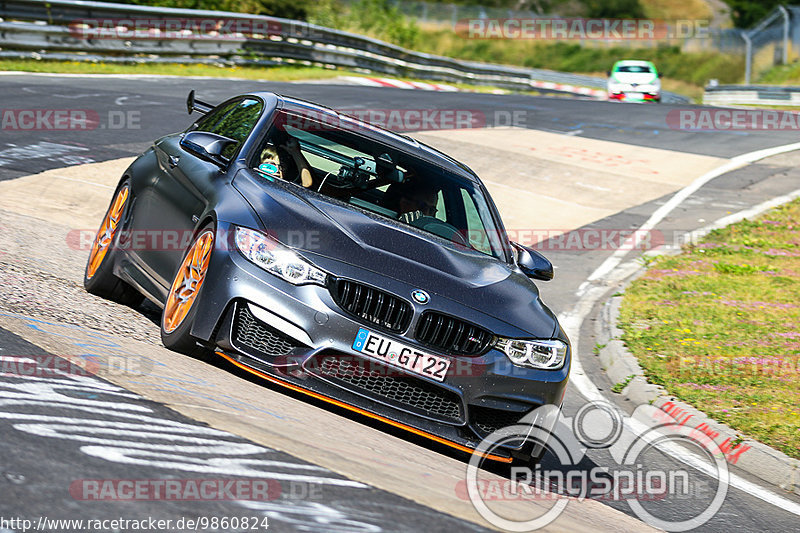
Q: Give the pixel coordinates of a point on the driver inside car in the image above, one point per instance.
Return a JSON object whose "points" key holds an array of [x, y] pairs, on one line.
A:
{"points": [[285, 161], [412, 201]]}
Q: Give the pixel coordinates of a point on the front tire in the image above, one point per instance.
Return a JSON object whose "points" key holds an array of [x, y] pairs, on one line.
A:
{"points": [[180, 309], [98, 277]]}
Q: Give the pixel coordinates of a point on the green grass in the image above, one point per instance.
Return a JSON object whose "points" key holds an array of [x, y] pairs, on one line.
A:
{"points": [[282, 73], [717, 326], [619, 387], [672, 10], [781, 75], [597, 348], [287, 73]]}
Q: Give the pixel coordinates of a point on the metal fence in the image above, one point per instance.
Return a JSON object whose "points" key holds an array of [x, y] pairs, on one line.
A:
{"points": [[53, 29], [771, 41]]}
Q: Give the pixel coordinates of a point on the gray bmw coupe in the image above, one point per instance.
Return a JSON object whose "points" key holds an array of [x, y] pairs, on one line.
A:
{"points": [[340, 260]]}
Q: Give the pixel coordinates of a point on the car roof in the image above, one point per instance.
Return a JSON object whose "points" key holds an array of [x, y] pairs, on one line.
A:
{"points": [[398, 141]]}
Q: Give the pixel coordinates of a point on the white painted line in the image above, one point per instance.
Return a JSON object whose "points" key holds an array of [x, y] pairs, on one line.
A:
{"points": [[15, 359], [639, 428], [658, 215], [612, 271], [593, 187], [104, 186]]}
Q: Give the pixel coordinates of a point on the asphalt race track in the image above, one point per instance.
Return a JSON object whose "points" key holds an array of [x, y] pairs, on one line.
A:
{"points": [[384, 480], [309, 497]]}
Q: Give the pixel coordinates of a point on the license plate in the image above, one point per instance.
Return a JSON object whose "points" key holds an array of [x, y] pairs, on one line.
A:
{"points": [[400, 355], [634, 96]]}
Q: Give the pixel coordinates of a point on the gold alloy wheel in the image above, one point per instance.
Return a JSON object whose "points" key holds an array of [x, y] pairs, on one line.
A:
{"points": [[106, 232], [188, 281]]}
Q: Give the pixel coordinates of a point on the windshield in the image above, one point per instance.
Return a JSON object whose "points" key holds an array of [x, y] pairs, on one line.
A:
{"points": [[636, 69], [368, 175]]}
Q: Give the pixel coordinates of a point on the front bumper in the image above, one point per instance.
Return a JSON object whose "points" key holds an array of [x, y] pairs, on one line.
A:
{"points": [[298, 337]]}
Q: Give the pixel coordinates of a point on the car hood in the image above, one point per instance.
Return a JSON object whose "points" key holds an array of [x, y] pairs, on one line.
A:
{"points": [[320, 226], [640, 78]]}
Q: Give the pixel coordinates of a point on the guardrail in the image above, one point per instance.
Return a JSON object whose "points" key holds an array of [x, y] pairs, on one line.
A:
{"points": [[52, 29], [752, 95]]}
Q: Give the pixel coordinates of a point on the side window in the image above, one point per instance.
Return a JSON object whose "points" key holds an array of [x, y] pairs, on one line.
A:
{"points": [[476, 235], [235, 121], [441, 212], [207, 122]]}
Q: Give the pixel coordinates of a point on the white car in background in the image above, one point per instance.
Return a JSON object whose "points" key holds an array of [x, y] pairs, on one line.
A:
{"points": [[634, 81]]}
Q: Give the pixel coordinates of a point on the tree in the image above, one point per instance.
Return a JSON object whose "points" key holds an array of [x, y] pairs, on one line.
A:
{"points": [[621, 9]]}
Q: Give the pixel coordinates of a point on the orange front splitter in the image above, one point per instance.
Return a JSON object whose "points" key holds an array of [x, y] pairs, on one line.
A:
{"points": [[440, 440]]}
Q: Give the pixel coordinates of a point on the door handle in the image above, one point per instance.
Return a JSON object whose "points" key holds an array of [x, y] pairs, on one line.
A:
{"points": [[174, 160]]}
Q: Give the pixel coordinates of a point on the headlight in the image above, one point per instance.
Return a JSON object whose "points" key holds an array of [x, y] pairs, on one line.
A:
{"points": [[542, 354], [277, 259]]}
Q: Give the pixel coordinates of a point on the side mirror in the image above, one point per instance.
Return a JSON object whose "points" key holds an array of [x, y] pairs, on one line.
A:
{"points": [[659, 74], [208, 146], [533, 264], [608, 73]]}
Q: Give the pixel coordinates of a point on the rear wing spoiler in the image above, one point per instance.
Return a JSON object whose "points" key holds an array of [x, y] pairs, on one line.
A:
{"points": [[197, 105]]}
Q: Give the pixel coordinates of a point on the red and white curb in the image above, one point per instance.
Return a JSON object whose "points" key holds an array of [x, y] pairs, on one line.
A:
{"points": [[584, 91], [399, 84]]}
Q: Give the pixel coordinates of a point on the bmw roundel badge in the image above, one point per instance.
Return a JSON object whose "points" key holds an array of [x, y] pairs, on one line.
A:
{"points": [[420, 296]]}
